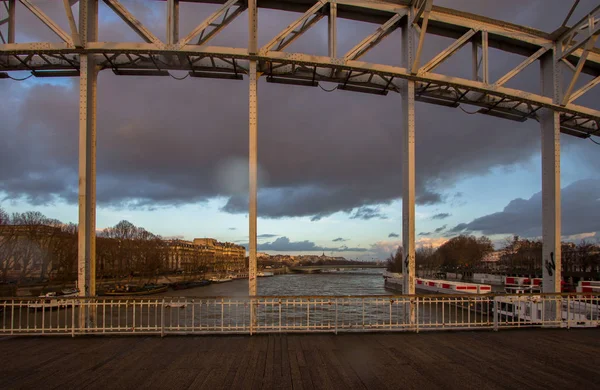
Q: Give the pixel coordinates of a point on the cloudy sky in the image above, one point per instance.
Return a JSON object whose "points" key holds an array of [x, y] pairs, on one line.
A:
{"points": [[172, 155]]}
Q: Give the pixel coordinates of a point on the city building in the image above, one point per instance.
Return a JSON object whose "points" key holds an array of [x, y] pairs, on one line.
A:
{"points": [[26, 251]]}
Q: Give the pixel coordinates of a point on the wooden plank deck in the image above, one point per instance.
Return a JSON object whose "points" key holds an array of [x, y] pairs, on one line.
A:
{"points": [[523, 359]]}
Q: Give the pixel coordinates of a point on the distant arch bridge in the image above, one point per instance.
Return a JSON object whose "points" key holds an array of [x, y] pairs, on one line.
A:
{"points": [[311, 269]]}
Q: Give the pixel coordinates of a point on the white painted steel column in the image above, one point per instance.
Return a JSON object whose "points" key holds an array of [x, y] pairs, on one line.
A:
{"points": [[485, 58], [475, 58], [172, 21], [550, 126], [332, 26], [11, 21], [253, 153], [408, 158], [88, 16]]}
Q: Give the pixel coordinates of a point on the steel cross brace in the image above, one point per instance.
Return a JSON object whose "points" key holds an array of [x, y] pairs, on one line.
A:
{"points": [[579, 35], [373, 40], [296, 29]]}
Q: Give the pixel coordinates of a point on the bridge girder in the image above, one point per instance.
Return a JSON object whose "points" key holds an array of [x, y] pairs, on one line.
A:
{"points": [[493, 98]]}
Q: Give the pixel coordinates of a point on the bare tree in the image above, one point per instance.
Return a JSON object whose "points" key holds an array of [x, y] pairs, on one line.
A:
{"points": [[394, 262]]}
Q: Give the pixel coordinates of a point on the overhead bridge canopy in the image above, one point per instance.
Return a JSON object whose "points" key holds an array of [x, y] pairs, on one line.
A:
{"points": [[192, 53]]}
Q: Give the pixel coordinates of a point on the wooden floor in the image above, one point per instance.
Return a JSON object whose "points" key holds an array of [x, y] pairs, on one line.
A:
{"points": [[525, 359]]}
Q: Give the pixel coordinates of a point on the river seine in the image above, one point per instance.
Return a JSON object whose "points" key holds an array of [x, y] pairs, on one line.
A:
{"points": [[361, 282]]}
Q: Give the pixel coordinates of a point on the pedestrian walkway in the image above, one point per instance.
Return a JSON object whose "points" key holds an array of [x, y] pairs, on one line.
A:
{"points": [[519, 359]]}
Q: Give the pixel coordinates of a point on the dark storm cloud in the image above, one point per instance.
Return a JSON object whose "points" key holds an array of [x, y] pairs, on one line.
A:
{"points": [[440, 229], [367, 213], [458, 228], [425, 234], [283, 244], [339, 239], [580, 204], [232, 228], [393, 235], [441, 216], [163, 142], [266, 235], [428, 197]]}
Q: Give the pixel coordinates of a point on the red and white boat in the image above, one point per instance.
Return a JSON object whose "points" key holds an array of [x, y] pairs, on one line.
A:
{"points": [[591, 286], [395, 281]]}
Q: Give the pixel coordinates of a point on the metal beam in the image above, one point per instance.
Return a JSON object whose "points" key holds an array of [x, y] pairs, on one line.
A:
{"points": [[332, 30], [564, 23], [579, 35], [309, 18], [207, 22], [485, 52], [172, 21], [252, 154], [227, 18], [47, 21], [584, 89], [502, 80], [588, 47], [407, 90], [551, 212], [443, 56], [324, 63], [475, 59], [372, 40], [72, 24], [11, 21], [132, 22], [88, 17], [424, 10]]}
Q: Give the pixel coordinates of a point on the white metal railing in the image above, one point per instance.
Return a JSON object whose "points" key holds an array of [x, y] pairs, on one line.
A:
{"points": [[195, 315]]}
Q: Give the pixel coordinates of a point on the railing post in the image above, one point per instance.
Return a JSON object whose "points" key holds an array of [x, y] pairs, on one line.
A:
{"points": [[162, 318], [336, 315], [12, 317], [416, 318], [568, 313], [43, 314], [363, 313], [73, 319], [280, 316], [222, 314], [251, 315], [391, 300], [468, 311], [495, 308], [308, 314]]}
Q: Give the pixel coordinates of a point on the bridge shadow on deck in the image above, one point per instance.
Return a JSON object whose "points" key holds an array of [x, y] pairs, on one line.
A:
{"points": [[524, 359]]}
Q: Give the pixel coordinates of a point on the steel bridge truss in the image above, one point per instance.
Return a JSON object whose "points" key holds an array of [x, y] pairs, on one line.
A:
{"points": [[81, 54]]}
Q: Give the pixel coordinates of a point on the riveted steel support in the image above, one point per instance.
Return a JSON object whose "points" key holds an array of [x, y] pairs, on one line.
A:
{"points": [[253, 156], [408, 159], [485, 63], [88, 17], [550, 126], [475, 59], [172, 21], [332, 24], [11, 21]]}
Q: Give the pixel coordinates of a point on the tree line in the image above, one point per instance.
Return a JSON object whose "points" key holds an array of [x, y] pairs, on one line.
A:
{"points": [[465, 254], [33, 246]]}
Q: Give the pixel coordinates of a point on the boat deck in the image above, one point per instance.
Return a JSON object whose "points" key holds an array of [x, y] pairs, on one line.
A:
{"points": [[526, 359]]}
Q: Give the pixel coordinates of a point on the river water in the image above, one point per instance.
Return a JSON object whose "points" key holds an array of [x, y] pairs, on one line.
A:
{"points": [[361, 282]]}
